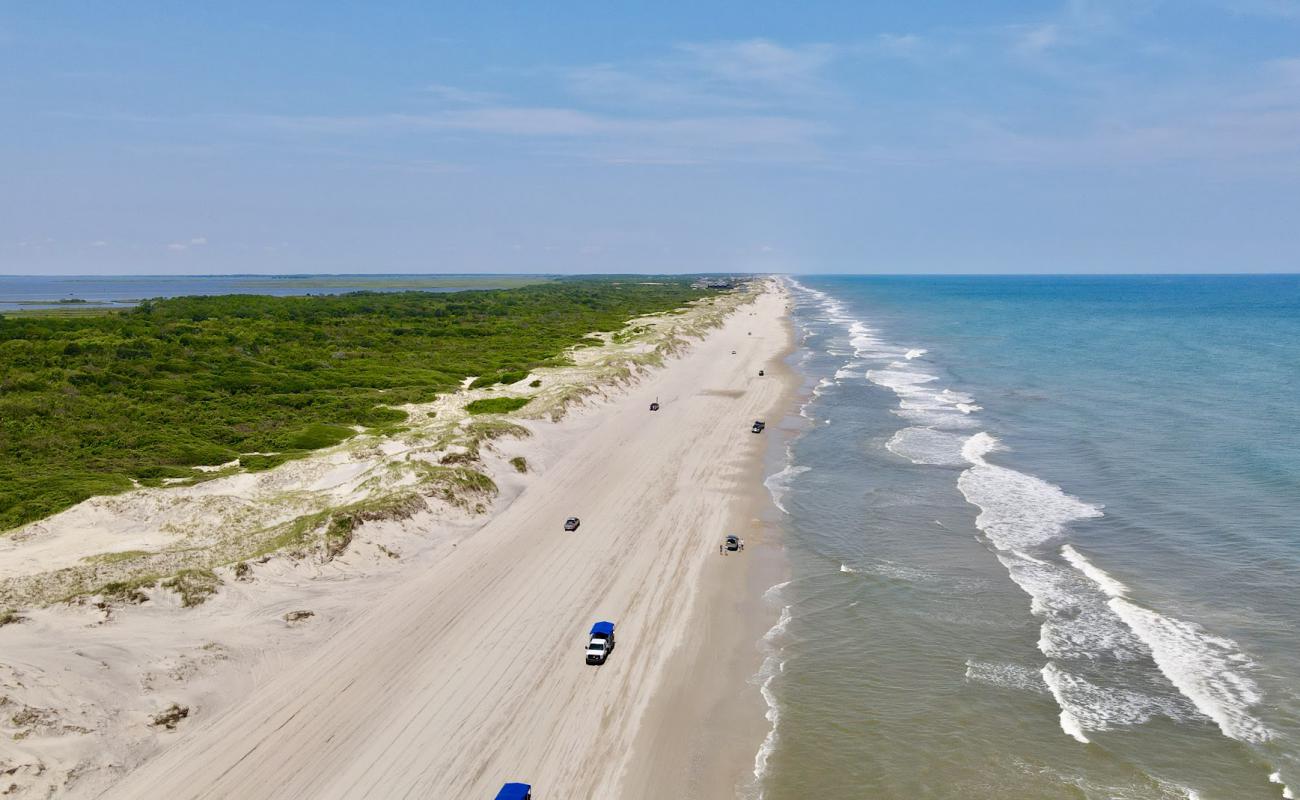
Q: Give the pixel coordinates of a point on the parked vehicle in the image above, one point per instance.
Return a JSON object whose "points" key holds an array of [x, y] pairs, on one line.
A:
{"points": [[515, 791], [600, 643], [760, 373], [654, 406], [759, 425], [733, 543], [572, 523], [733, 352]]}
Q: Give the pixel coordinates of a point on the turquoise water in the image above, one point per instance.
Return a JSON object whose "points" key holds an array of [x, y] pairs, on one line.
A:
{"points": [[1044, 536]]}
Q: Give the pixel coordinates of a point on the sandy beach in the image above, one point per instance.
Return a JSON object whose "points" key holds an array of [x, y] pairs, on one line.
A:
{"points": [[465, 669]]}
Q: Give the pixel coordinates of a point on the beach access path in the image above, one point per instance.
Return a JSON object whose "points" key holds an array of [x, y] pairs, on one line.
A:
{"points": [[472, 673]]}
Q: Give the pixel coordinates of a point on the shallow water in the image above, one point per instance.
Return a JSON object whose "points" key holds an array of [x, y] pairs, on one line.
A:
{"points": [[1044, 541]]}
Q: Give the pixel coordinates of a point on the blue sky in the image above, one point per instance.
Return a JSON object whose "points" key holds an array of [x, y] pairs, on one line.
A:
{"points": [[1138, 136]]}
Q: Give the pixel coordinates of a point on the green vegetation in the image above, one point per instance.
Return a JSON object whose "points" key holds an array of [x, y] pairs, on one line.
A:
{"points": [[91, 404], [519, 463], [116, 558], [497, 405], [128, 591], [370, 283], [193, 585], [505, 378]]}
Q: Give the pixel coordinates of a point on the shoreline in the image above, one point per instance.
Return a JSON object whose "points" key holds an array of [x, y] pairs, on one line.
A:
{"points": [[243, 641]]}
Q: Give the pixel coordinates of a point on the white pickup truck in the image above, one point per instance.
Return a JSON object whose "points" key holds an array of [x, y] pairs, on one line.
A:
{"points": [[600, 643]]}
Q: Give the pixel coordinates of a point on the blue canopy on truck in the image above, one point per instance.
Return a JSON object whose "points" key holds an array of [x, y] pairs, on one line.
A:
{"points": [[515, 791], [607, 628]]}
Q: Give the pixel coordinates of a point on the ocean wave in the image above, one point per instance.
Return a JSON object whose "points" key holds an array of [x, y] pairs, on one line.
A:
{"points": [[767, 673], [919, 402], [1087, 707], [1209, 670], [915, 352], [1007, 676], [1106, 583], [778, 484], [772, 666], [1276, 777], [1016, 510], [1077, 623], [927, 446], [774, 591]]}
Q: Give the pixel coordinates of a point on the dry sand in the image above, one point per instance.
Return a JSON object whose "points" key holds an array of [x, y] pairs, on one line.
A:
{"points": [[462, 668]]}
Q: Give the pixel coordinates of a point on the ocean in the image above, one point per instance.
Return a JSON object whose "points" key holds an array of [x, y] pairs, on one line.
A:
{"points": [[42, 292], [1044, 541]]}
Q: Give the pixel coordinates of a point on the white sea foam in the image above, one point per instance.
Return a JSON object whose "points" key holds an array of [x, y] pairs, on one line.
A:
{"points": [[1016, 510], [769, 671], [1109, 585], [778, 484], [915, 352], [1087, 707], [848, 569], [845, 372], [1070, 723], [1077, 622], [1276, 777], [1209, 670], [1009, 676], [899, 378], [772, 666], [774, 591], [927, 446], [778, 630]]}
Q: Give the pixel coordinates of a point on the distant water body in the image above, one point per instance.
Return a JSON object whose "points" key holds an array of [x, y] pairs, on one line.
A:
{"points": [[1045, 541], [25, 292]]}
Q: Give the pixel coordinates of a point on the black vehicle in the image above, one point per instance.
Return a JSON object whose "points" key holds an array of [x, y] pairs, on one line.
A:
{"points": [[760, 373], [759, 425], [733, 543], [654, 406], [572, 523]]}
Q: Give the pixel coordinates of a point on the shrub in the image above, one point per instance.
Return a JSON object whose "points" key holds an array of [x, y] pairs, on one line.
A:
{"points": [[497, 405], [194, 586]]}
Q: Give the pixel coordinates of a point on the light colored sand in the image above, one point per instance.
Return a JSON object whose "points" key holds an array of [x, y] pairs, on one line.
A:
{"points": [[471, 673]]}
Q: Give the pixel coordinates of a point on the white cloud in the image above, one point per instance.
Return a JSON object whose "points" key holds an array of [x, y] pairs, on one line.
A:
{"points": [[199, 240], [1285, 9], [459, 96], [1036, 39], [762, 62]]}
